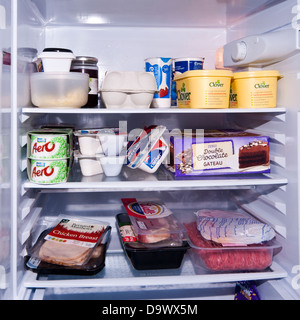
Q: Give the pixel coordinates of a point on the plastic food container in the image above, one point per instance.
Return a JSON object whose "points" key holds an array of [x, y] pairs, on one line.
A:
{"points": [[254, 89], [89, 165], [145, 257], [95, 263], [112, 165], [182, 65], [131, 90], [149, 150], [59, 90], [203, 89], [56, 59], [88, 141], [153, 223], [206, 255], [48, 171], [49, 144], [112, 141]]}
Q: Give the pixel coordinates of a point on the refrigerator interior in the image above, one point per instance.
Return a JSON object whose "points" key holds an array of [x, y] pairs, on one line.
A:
{"points": [[121, 35]]}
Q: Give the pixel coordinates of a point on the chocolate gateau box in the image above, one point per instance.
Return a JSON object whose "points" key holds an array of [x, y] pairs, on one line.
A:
{"points": [[218, 152]]}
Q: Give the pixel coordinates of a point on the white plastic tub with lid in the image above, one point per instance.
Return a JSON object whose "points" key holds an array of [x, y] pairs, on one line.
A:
{"points": [[112, 165], [89, 165], [59, 89], [112, 142], [88, 141], [56, 59]]}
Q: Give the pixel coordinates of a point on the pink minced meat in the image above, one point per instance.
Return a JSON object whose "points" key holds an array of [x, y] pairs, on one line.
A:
{"points": [[228, 259]]}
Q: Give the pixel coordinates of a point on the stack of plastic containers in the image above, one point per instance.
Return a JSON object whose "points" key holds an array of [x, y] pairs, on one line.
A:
{"points": [[55, 86], [100, 151], [89, 147], [49, 154]]}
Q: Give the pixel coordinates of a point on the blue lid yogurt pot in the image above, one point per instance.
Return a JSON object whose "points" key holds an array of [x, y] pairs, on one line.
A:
{"points": [[182, 65]]}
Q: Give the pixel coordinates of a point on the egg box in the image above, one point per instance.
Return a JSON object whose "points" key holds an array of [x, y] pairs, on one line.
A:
{"points": [[128, 90]]}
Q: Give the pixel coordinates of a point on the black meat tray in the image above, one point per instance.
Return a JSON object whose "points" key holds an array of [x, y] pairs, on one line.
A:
{"points": [[147, 258], [93, 266]]}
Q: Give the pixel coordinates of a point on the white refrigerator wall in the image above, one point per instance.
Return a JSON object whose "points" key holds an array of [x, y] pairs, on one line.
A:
{"points": [[5, 149], [121, 41], [19, 29], [285, 135]]}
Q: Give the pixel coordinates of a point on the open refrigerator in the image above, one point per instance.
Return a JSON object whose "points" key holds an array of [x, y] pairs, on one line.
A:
{"points": [[121, 34]]}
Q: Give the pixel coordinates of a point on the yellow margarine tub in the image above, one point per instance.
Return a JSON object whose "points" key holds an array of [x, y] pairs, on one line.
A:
{"points": [[203, 88], [254, 89]]}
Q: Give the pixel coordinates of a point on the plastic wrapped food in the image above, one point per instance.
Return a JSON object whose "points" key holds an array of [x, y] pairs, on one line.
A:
{"points": [[147, 256], [153, 222], [232, 228], [94, 265], [71, 242], [149, 150], [214, 257], [246, 290]]}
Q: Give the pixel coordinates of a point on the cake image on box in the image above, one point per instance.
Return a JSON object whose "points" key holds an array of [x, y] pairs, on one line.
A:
{"points": [[218, 152], [254, 153], [186, 164]]}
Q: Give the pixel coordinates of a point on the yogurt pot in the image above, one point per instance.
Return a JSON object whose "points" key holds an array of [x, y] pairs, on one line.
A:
{"points": [[56, 59], [149, 150], [88, 141], [48, 171], [162, 70], [89, 165], [49, 144], [254, 89], [112, 141], [203, 89], [112, 165], [182, 65]]}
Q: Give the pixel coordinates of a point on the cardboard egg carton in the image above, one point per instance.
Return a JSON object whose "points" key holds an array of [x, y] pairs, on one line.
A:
{"points": [[128, 90]]}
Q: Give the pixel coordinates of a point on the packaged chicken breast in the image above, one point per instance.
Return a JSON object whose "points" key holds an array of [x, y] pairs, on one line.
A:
{"points": [[71, 241]]}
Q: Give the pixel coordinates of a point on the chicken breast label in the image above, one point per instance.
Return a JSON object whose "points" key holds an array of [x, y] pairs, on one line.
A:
{"points": [[76, 233]]}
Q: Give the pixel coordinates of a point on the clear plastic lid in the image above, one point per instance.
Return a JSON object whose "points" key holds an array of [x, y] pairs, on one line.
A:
{"points": [[95, 132], [140, 148], [71, 241], [152, 221]]}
